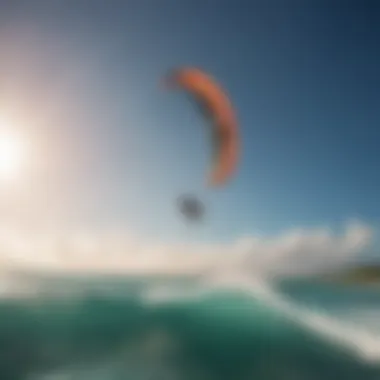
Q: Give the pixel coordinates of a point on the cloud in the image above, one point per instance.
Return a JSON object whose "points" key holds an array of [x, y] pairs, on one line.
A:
{"points": [[298, 251], [305, 251]]}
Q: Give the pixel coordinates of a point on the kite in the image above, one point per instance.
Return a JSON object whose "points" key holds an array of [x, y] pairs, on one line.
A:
{"points": [[217, 108]]}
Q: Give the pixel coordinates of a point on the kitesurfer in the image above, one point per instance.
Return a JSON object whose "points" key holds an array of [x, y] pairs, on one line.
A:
{"points": [[215, 106]]}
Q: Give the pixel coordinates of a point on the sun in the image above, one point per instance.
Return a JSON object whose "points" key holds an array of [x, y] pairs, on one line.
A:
{"points": [[11, 155]]}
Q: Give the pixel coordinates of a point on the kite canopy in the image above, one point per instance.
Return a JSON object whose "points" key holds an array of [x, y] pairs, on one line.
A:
{"points": [[217, 108]]}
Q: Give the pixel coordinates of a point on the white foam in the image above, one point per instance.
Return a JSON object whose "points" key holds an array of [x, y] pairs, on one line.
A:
{"points": [[364, 342], [361, 341]]}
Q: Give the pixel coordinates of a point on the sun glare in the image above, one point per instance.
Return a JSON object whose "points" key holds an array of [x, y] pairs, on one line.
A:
{"points": [[11, 155]]}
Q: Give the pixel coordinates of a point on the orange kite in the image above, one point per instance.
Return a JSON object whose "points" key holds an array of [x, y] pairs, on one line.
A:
{"points": [[216, 105]]}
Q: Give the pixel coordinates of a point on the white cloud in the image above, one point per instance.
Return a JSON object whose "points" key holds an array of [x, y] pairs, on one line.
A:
{"points": [[295, 251]]}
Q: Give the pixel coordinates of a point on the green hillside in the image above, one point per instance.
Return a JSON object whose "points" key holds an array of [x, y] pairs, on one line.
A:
{"points": [[367, 274]]}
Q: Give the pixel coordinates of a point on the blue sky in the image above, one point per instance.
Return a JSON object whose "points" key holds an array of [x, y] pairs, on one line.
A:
{"points": [[303, 77]]}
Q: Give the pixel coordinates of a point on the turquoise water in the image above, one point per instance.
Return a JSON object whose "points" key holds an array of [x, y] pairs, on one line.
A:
{"points": [[161, 329]]}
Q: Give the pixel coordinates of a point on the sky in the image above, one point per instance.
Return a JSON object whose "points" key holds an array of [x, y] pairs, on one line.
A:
{"points": [[111, 150]]}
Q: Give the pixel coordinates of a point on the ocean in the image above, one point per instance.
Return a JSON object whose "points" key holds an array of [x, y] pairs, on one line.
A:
{"points": [[153, 328]]}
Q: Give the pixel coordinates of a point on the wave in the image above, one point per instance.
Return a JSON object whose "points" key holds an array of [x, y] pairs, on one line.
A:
{"points": [[219, 327], [358, 340]]}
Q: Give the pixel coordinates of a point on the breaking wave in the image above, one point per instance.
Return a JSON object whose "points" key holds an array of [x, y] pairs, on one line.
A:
{"points": [[144, 328]]}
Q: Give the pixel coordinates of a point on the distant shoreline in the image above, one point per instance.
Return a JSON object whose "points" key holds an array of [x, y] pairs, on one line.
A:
{"points": [[361, 275]]}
